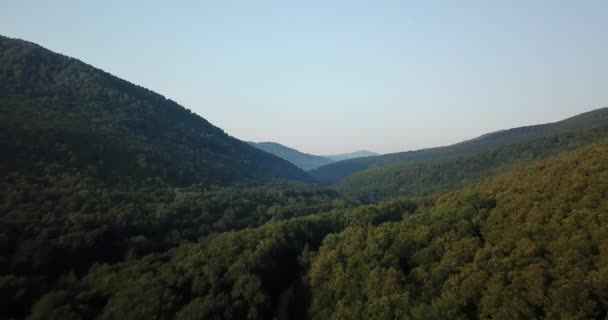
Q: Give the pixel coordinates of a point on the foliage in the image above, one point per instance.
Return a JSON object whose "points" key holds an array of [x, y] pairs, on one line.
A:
{"points": [[427, 178], [525, 245], [116, 203], [335, 172], [59, 114], [51, 226]]}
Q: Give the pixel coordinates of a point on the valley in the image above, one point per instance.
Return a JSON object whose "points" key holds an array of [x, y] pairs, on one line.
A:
{"points": [[119, 203]]}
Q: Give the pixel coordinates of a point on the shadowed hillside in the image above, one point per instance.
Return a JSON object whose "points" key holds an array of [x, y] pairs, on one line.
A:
{"points": [[59, 114]]}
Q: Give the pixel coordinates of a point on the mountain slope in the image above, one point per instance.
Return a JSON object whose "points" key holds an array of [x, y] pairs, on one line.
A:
{"points": [[336, 171], [528, 244], [302, 160], [415, 179], [59, 114]]}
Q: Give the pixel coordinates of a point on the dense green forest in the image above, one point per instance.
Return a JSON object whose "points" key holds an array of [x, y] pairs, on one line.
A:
{"points": [[335, 172], [528, 243], [430, 177], [116, 203], [54, 226], [59, 114]]}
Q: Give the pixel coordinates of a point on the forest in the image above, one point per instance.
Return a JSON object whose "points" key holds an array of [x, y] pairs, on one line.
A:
{"points": [[430, 177], [339, 171], [117, 203]]}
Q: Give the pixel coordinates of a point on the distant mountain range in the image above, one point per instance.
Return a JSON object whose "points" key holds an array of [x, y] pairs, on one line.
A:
{"points": [[306, 161], [352, 155], [337, 171]]}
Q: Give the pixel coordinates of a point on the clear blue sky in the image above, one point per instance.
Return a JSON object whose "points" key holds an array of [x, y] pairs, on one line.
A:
{"points": [[337, 76]]}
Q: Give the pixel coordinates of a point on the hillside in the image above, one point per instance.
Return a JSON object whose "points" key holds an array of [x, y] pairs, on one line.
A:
{"points": [[417, 179], [302, 160], [61, 115], [337, 171], [527, 244], [116, 203]]}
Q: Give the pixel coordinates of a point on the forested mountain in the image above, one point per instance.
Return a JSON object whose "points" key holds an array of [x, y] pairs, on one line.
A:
{"points": [[304, 161], [116, 203], [351, 155], [95, 169], [337, 171], [425, 178], [530, 243], [61, 115]]}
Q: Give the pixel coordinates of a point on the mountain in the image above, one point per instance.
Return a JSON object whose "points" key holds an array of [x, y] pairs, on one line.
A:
{"points": [[60, 115], [352, 155], [116, 203], [425, 178], [530, 243], [306, 161], [337, 171], [302, 160]]}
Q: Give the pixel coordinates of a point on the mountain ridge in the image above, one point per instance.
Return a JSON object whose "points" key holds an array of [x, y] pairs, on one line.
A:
{"points": [[352, 155], [113, 206], [303, 160], [335, 172], [58, 99], [431, 177]]}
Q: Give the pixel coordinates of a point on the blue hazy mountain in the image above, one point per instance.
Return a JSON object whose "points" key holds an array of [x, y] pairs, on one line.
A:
{"points": [[307, 161], [352, 155]]}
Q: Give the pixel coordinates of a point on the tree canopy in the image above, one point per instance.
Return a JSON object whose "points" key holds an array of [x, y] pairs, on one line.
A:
{"points": [[116, 203]]}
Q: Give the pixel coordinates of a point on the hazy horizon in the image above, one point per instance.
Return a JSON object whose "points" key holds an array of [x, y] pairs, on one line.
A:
{"points": [[324, 78]]}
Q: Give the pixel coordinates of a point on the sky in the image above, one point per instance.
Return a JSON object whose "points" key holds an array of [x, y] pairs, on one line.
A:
{"points": [[338, 76]]}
